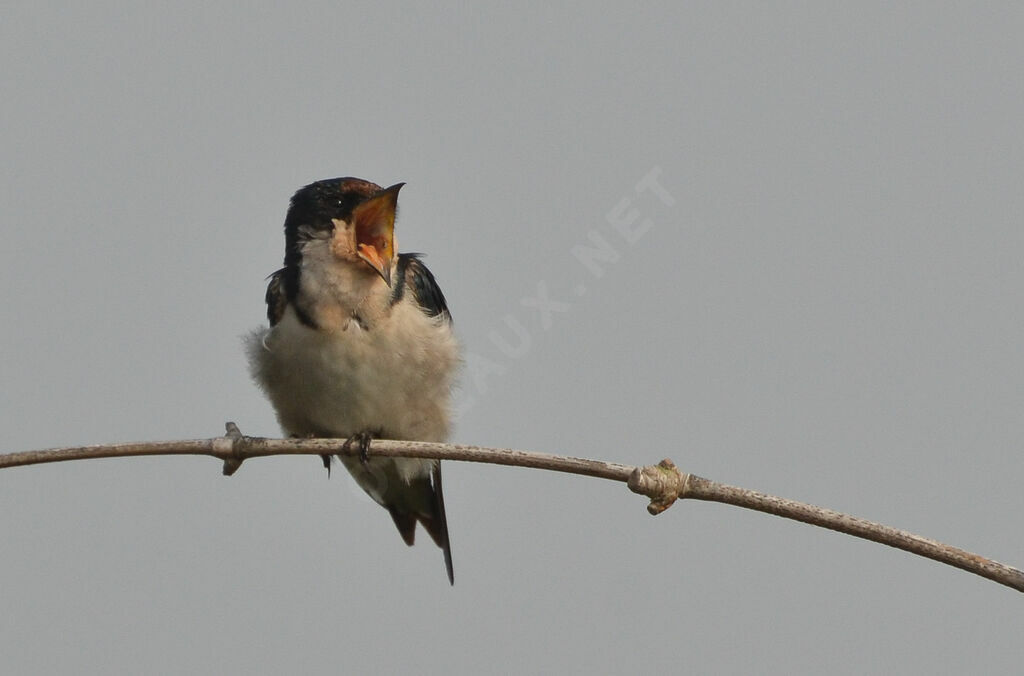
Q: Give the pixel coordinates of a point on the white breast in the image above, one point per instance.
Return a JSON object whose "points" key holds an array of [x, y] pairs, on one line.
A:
{"points": [[392, 378]]}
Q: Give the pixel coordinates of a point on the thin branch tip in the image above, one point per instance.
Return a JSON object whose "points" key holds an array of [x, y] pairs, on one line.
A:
{"points": [[662, 483]]}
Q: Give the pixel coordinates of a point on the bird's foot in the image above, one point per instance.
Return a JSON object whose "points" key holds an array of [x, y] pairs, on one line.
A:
{"points": [[363, 439]]}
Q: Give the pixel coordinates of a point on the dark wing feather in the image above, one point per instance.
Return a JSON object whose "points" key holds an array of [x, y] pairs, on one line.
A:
{"points": [[276, 297], [413, 276]]}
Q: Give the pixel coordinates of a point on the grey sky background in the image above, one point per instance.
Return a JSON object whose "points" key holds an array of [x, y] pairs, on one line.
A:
{"points": [[825, 303]]}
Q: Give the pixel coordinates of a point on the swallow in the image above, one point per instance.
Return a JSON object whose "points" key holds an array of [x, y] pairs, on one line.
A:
{"points": [[360, 345]]}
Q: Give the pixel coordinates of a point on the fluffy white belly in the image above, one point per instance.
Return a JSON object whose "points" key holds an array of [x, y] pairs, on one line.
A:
{"points": [[393, 379]]}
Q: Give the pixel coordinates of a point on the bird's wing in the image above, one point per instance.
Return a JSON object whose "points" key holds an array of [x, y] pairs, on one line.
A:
{"points": [[276, 297], [413, 275]]}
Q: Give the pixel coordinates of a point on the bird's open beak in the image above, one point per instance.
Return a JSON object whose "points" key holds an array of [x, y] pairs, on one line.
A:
{"points": [[375, 230]]}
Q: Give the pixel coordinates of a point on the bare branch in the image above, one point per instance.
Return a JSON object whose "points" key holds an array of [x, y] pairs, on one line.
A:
{"points": [[662, 483]]}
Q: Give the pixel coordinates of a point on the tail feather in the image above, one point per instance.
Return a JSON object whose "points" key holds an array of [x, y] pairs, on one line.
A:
{"points": [[429, 511], [406, 523], [438, 526]]}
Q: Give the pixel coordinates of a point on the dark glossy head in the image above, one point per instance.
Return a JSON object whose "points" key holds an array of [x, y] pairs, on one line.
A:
{"points": [[353, 218], [315, 206]]}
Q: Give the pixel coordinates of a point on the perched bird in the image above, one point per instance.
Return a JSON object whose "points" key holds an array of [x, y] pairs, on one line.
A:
{"points": [[360, 345]]}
